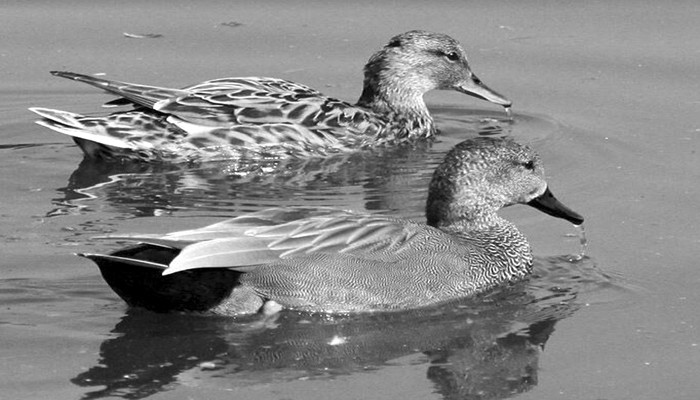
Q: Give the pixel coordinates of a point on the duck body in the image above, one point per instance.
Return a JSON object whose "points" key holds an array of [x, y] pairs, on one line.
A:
{"points": [[258, 117], [337, 262], [323, 260], [434, 268]]}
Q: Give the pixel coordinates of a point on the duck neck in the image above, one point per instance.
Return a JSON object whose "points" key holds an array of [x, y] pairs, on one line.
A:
{"points": [[469, 208], [500, 243], [392, 97], [472, 218]]}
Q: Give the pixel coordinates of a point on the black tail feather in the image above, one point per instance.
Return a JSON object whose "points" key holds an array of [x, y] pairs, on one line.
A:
{"points": [[143, 286]]}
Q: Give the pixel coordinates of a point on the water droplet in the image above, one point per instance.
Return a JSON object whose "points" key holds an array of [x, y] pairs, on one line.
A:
{"points": [[207, 365], [583, 241], [337, 340], [509, 113]]}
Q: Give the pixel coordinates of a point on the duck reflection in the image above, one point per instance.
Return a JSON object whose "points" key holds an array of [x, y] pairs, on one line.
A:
{"points": [[141, 189], [486, 347]]}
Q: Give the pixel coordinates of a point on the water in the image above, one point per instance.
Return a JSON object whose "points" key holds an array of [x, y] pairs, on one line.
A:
{"points": [[606, 93]]}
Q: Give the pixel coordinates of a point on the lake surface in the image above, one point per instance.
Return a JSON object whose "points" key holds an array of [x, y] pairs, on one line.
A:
{"points": [[607, 93]]}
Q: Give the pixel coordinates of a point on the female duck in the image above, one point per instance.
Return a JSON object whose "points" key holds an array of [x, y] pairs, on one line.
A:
{"points": [[267, 117], [332, 261]]}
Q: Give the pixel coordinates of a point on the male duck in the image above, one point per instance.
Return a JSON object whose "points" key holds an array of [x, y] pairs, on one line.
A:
{"points": [[340, 262], [269, 117]]}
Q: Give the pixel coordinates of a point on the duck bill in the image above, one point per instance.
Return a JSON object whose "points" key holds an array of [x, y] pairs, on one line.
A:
{"points": [[549, 204], [474, 87]]}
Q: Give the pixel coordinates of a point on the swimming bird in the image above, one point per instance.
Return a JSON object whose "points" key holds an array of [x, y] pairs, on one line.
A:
{"points": [[325, 260], [257, 117]]}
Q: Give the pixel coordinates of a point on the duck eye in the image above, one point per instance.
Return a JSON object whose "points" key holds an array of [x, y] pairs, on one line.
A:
{"points": [[452, 56], [529, 165], [394, 43]]}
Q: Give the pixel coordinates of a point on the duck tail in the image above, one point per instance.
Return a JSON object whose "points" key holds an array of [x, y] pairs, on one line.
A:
{"points": [[135, 274], [106, 259], [63, 118], [92, 138]]}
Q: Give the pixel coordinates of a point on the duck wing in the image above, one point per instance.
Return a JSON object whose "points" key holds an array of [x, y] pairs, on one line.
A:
{"points": [[230, 102], [248, 85], [142, 95], [266, 114], [249, 241]]}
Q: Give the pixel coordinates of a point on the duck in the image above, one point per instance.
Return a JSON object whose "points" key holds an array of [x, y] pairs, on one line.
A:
{"points": [[271, 118], [324, 260]]}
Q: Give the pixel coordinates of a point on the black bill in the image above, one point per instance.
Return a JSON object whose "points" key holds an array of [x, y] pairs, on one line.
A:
{"points": [[549, 204]]}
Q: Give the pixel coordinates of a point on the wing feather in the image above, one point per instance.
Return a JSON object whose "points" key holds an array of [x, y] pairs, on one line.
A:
{"points": [[373, 237], [269, 236], [241, 254], [256, 101]]}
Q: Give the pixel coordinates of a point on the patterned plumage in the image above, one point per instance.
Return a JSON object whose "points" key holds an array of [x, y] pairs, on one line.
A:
{"points": [[335, 261], [254, 117]]}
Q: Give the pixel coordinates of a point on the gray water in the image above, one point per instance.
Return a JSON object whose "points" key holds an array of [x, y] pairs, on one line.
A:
{"points": [[608, 94]]}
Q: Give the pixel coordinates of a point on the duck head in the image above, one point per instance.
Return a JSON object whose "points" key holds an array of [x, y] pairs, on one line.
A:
{"points": [[482, 175], [416, 62]]}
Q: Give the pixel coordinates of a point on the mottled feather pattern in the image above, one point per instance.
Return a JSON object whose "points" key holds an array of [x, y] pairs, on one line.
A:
{"points": [[344, 234], [239, 118], [259, 118], [268, 101]]}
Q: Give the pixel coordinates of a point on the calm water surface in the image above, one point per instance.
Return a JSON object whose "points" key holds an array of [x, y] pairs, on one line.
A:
{"points": [[609, 95]]}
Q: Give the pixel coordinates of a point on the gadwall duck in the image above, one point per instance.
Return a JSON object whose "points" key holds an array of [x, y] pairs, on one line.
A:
{"points": [[322, 260], [233, 118]]}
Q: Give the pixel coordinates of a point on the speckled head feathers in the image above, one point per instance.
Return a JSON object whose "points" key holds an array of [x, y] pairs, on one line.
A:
{"points": [[416, 62], [418, 40], [429, 60], [480, 176]]}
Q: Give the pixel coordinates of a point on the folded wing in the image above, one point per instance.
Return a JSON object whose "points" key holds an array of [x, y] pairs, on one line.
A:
{"points": [[245, 242]]}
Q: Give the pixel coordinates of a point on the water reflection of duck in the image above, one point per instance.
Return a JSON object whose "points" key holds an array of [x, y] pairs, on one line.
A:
{"points": [[269, 117], [148, 188], [333, 261]]}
